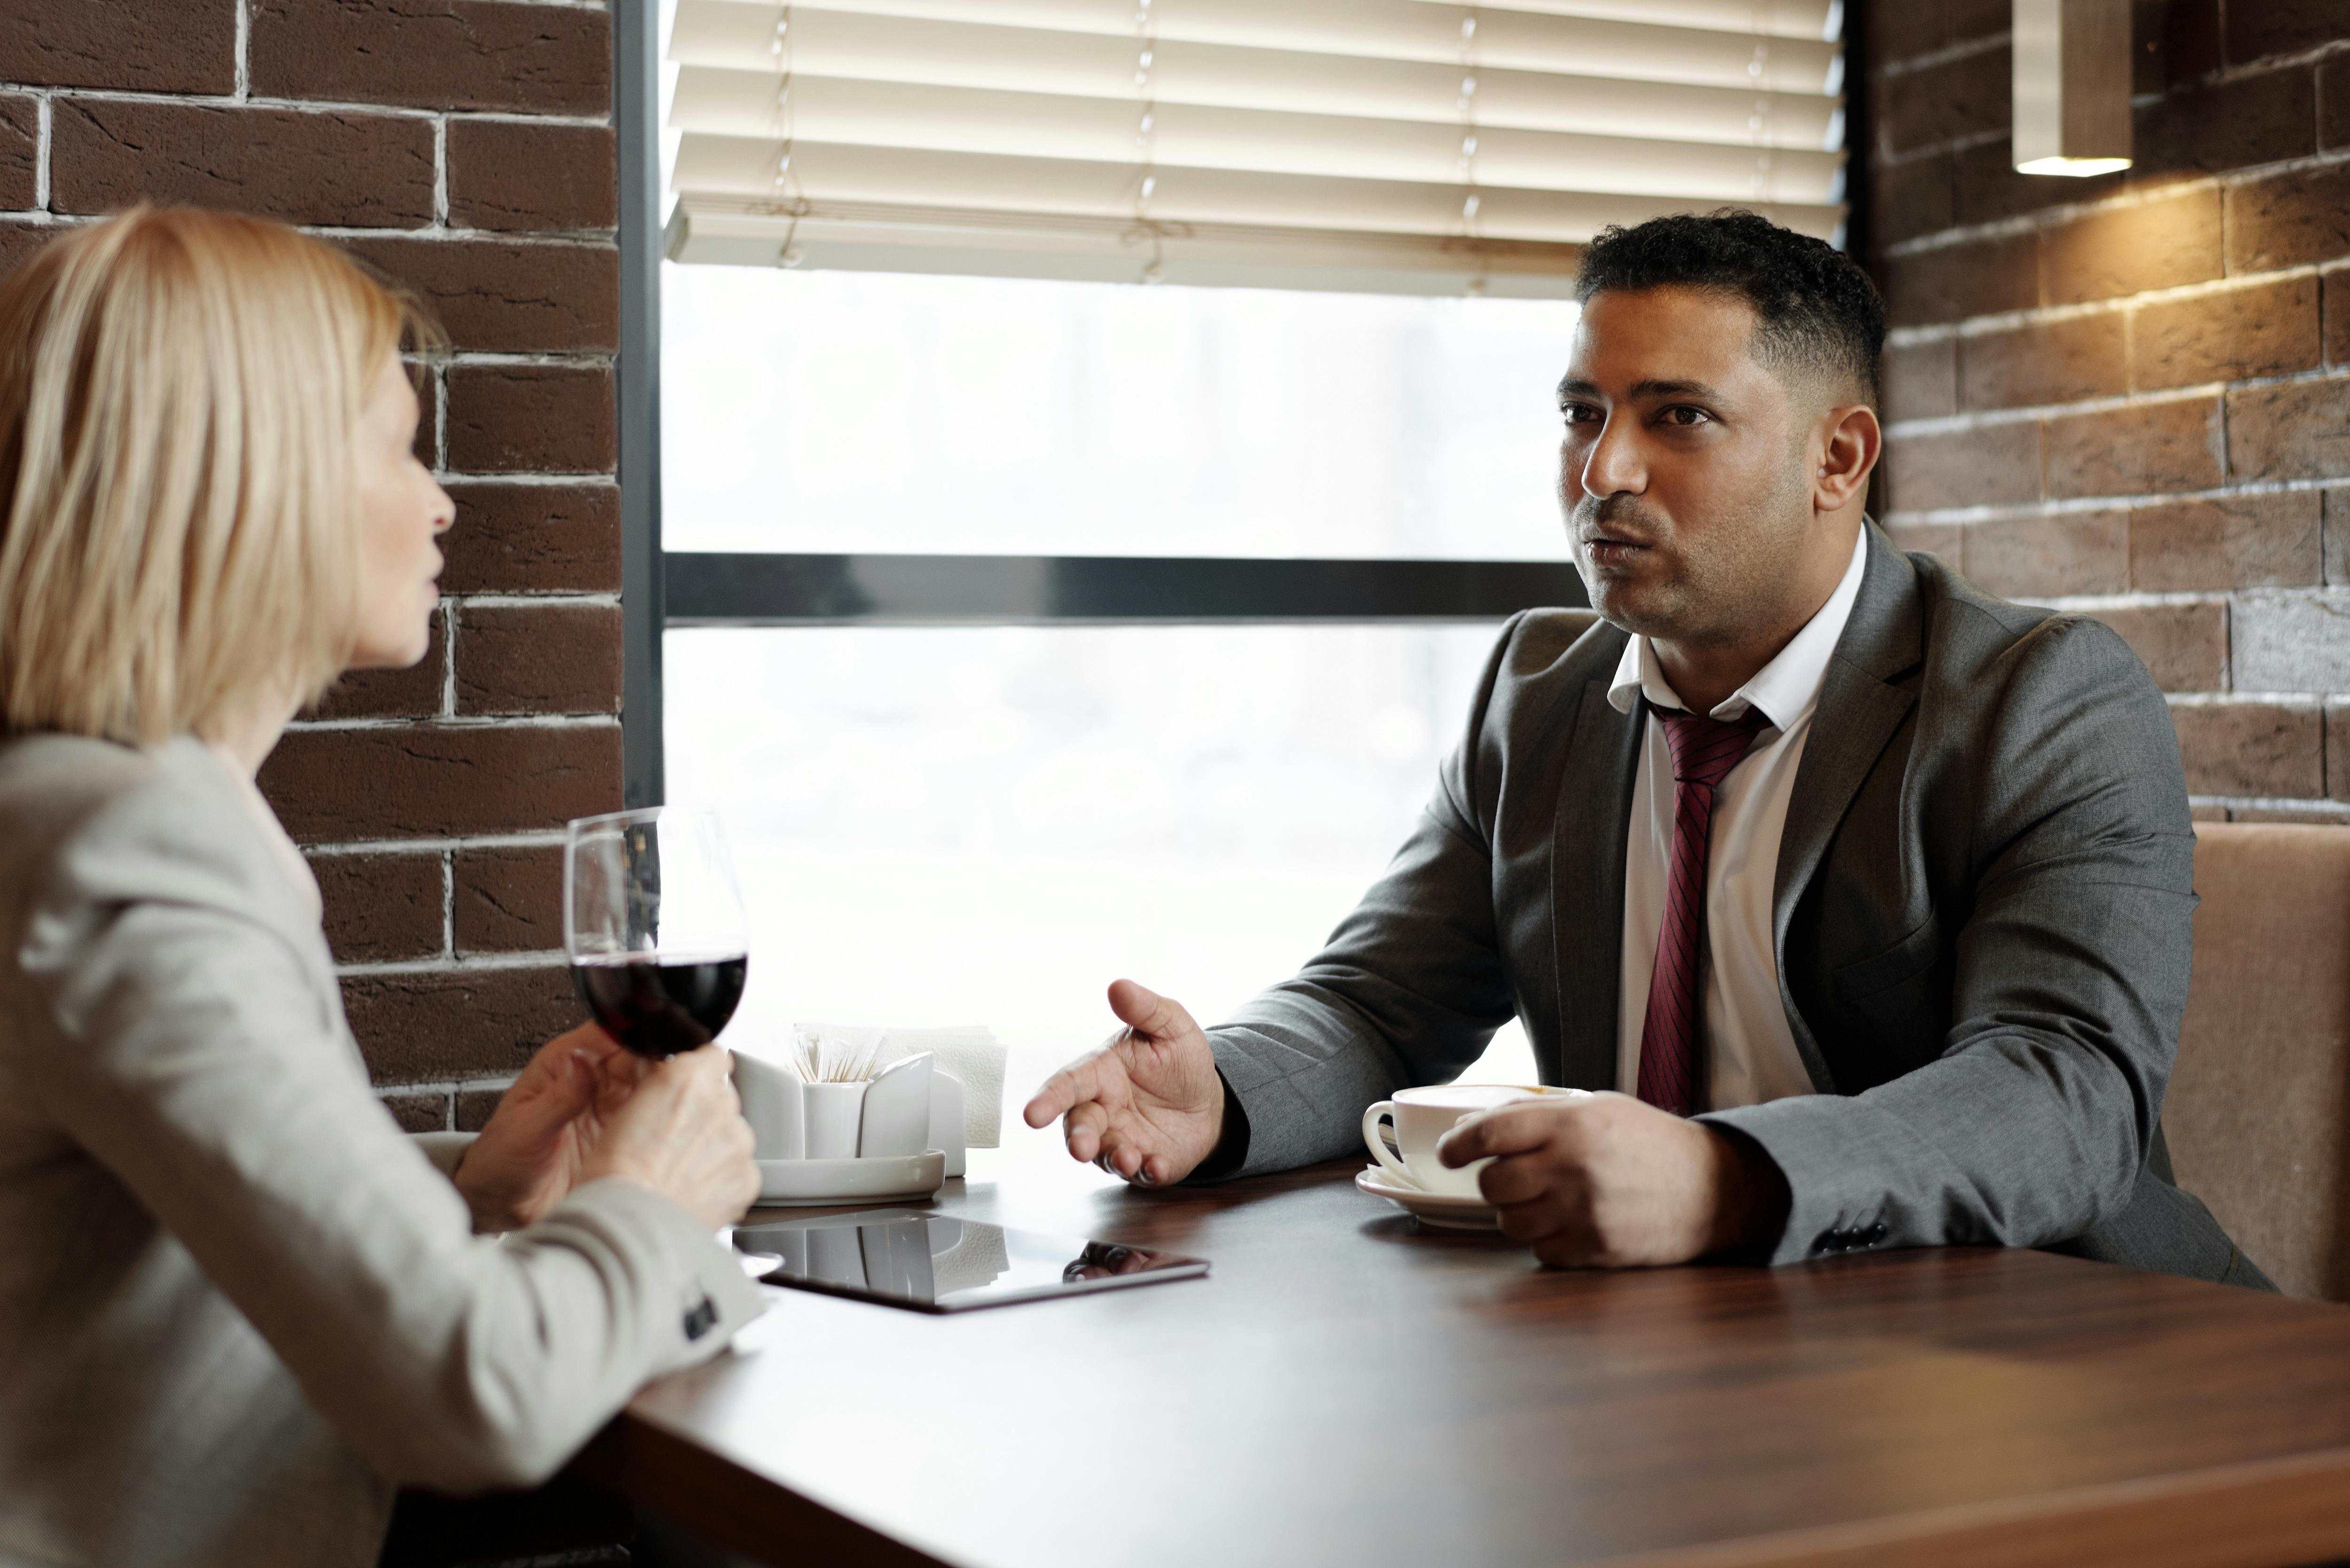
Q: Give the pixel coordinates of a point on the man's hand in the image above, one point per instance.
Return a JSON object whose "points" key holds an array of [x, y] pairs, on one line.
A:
{"points": [[528, 1155], [1147, 1104], [1608, 1182]]}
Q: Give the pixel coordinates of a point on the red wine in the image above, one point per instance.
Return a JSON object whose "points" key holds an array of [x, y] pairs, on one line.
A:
{"points": [[660, 1006]]}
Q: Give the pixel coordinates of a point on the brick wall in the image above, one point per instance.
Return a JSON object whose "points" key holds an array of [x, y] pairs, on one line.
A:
{"points": [[464, 147], [2130, 396]]}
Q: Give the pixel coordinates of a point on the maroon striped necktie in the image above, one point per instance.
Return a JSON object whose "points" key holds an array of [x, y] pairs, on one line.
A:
{"points": [[1704, 751]]}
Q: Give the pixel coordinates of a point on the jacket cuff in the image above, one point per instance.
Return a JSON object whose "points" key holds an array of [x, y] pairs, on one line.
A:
{"points": [[1825, 1150], [715, 1298], [444, 1149]]}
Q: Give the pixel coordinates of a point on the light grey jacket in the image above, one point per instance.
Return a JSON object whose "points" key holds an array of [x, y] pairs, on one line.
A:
{"points": [[237, 1306], [1982, 918]]}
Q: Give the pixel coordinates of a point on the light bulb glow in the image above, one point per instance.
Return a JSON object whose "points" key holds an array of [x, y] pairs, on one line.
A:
{"points": [[2077, 168]]}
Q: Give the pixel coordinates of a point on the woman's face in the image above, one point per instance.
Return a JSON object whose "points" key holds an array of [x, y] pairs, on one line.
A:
{"points": [[402, 513]]}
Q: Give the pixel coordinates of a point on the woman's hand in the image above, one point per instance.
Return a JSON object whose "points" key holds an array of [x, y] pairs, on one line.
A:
{"points": [[530, 1154], [680, 1131]]}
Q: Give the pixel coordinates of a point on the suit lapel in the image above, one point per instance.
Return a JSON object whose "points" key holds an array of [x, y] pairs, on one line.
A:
{"points": [[1594, 805], [1858, 713]]}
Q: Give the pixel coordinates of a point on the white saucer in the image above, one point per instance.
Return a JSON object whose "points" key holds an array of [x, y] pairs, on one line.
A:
{"points": [[1428, 1208], [810, 1183]]}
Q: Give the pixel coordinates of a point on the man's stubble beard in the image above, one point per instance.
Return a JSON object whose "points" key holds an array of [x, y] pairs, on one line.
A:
{"points": [[1708, 599]]}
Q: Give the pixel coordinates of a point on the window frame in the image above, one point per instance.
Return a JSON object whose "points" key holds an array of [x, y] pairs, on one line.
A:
{"points": [[661, 588]]}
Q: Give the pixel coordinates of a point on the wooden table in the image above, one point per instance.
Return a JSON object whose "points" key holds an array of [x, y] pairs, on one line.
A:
{"points": [[1348, 1388]]}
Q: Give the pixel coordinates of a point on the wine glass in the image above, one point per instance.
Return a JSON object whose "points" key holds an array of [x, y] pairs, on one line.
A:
{"points": [[654, 926]]}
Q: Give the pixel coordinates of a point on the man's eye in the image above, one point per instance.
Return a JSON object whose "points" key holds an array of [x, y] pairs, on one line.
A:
{"points": [[1682, 414], [1580, 414]]}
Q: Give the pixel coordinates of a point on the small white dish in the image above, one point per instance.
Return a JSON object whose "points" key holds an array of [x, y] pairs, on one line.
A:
{"points": [[809, 1183], [1428, 1208]]}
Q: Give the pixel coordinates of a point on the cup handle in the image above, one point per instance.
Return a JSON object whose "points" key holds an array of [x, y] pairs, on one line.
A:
{"points": [[1383, 1111]]}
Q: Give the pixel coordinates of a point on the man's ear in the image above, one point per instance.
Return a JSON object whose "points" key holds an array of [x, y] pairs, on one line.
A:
{"points": [[1849, 446]]}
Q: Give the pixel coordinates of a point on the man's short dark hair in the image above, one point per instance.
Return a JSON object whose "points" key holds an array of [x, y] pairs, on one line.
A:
{"points": [[1819, 312]]}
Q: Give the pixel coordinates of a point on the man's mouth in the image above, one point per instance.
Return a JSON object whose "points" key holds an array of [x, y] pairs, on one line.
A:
{"points": [[1608, 550]]}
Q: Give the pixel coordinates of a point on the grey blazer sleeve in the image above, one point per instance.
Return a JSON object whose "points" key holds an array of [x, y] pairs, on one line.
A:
{"points": [[197, 1053], [1409, 989], [2071, 977]]}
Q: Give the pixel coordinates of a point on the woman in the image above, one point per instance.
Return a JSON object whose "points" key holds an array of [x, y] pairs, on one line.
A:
{"points": [[237, 1306]]}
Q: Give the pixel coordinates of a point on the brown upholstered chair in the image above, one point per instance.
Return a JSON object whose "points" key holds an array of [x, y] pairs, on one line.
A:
{"points": [[2260, 1104]]}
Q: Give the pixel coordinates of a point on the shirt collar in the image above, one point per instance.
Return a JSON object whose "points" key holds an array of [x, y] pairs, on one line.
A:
{"points": [[1786, 690]]}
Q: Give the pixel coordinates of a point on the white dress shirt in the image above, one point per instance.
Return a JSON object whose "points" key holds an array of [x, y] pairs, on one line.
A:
{"points": [[1750, 1051]]}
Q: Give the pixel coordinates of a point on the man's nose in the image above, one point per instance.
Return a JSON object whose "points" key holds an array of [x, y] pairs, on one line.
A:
{"points": [[1611, 463]]}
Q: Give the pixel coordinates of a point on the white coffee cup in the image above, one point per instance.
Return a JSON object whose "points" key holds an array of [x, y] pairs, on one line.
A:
{"points": [[1423, 1116]]}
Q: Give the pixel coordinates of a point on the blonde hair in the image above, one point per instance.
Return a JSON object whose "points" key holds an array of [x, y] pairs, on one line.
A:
{"points": [[179, 396]]}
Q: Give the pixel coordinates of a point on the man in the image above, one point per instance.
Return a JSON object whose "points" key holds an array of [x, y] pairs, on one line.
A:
{"points": [[1886, 881]]}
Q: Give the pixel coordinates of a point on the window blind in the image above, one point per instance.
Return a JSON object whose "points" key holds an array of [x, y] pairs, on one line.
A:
{"points": [[1410, 146]]}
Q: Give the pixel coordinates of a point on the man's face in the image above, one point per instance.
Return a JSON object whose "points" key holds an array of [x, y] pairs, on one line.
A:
{"points": [[1685, 470]]}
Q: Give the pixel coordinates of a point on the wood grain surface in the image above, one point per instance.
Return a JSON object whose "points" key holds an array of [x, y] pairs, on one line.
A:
{"points": [[1348, 1389]]}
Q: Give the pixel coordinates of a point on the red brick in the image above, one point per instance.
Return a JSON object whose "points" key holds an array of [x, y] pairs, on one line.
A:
{"points": [[1989, 466], [2291, 430], [476, 1106], [434, 54], [1966, 96], [2282, 27], [510, 901], [1912, 197], [2336, 311], [1988, 187], [372, 171], [2208, 130], [381, 908], [2251, 748], [533, 538], [504, 296], [2333, 103], [1896, 33], [143, 46], [1951, 283], [441, 780], [509, 419], [2050, 557], [2230, 335], [539, 659], [2144, 449], [2289, 220], [2044, 362], [507, 175], [1973, 20], [2190, 40], [1921, 380], [2156, 243], [2183, 647], [457, 1023], [2336, 513], [414, 692], [427, 1112], [18, 241], [2337, 749], [2244, 542], [2306, 815], [1947, 540], [20, 140]]}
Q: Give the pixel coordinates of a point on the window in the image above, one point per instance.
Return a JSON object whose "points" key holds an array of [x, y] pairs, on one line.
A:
{"points": [[1030, 627]]}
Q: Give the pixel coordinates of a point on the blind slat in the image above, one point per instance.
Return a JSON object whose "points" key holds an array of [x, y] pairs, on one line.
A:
{"points": [[1395, 29], [887, 114], [1421, 145], [721, 35], [827, 172]]}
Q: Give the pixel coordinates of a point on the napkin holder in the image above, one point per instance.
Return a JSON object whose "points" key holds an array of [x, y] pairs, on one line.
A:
{"points": [[907, 1108]]}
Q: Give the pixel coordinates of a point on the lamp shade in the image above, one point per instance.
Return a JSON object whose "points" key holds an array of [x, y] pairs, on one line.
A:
{"points": [[2072, 86]]}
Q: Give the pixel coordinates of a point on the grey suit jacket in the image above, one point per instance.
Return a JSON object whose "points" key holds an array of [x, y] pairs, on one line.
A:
{"points": [[237, 1306], [1982, 914]]}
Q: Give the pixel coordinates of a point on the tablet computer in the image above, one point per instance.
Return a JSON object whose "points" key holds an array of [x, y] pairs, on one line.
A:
{"points": [[936, 1262]]}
